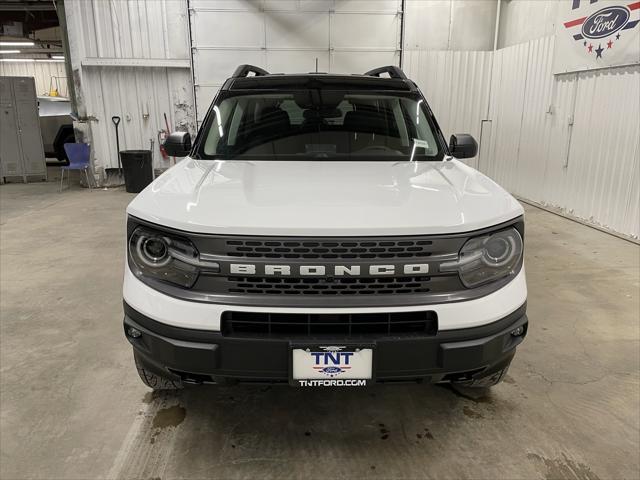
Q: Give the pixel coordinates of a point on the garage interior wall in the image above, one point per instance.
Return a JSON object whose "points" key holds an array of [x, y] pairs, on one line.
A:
{"points": [[447, 52], [524, 20], [569, 142], [288, 36], [588, 170], [130, 59], [46, 74]]}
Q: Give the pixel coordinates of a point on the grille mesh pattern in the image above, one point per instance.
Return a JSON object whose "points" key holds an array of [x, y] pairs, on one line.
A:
{"points": [[361, 324], [338, 286], [369, 249], [329, 252]]}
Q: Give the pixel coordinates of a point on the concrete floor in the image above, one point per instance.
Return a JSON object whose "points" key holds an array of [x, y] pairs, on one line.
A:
{"points": [[72, 405]]}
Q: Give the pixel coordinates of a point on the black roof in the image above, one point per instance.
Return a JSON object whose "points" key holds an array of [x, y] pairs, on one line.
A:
{"points": [[371, 80]]}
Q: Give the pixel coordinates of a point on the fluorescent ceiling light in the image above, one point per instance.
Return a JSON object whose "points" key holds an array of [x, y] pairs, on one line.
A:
{"points": [[4, 52], [17, 44], [57, 57], [39, 60]]}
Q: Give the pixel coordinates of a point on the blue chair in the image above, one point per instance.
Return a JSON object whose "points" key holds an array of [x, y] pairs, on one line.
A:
{"points": [[78, 154]]}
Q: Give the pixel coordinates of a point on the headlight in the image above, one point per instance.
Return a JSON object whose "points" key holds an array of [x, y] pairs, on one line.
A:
{"points": [[163, 257], [487, 258]]}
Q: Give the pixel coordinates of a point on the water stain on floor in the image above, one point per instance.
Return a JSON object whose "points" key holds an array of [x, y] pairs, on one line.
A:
{"points": [[169, 417], [427, 434], [471, 413], [563, 468], [475, 395], [149, 397]]}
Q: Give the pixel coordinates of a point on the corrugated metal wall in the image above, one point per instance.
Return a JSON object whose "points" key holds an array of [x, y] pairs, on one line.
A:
{"points": [[601, 174], [46, 74], [568, 142], [456, 85], [131, 59]]}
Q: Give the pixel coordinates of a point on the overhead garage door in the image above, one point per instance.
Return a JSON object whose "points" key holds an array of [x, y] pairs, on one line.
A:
{"points": [[286, 36]]}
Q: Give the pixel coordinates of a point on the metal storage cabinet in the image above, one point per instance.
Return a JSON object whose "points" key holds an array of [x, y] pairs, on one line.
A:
{"points": [[21, 150]]}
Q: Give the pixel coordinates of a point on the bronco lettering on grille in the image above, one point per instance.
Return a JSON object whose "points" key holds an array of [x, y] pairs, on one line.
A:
{"points": [[332, 270]]}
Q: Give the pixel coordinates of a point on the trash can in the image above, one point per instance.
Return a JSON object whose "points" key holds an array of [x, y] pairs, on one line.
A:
{"points": [[138, 171]]}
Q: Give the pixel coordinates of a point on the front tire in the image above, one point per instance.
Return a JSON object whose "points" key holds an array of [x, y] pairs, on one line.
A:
{"points": [[153, 380], [487, 381]]}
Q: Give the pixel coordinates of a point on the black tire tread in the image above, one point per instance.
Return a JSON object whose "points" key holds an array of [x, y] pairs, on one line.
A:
{"points": [[156, 382], [485, 382]]}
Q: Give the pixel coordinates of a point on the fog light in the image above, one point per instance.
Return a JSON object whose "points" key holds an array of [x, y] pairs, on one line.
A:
{"points": [[517, 332], [133, 332]]}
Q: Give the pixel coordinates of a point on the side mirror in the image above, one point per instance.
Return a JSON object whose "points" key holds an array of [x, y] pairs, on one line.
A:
{"points": [[178, 144], [462, 145]]}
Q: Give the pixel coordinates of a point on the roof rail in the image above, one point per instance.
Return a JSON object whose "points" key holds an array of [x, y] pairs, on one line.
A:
{"points": [[245, 70], [392, 70]]}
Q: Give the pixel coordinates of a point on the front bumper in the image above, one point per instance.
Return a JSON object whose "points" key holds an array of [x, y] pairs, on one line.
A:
{"points": [[206, 316], [200, 356]]}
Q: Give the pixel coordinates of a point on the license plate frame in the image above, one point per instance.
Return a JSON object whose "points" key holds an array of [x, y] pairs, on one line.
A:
{"points": [[360, 352]]}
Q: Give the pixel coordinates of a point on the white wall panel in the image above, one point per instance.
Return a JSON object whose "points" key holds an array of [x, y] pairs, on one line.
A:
{"points": [[129, 28], [472, 24], [569, 142], [140, 96], [449, 24], [288, 35], [368, 31], [281, 61], [211, 28], [506, 114], [427, 25], [604, 157], [376, 6], [308, 29], [44, 73], [113, 30], [214, 66], [554, 188], [360, 62], [524, 20], [456, 85], [589, 170], [536, 123]]}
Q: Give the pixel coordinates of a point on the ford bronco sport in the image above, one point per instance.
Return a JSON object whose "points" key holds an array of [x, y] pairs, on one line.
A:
{"points": [[321, 232]]}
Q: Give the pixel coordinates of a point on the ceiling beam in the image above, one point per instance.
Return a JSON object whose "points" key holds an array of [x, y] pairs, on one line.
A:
{"points": [[26, 7]]}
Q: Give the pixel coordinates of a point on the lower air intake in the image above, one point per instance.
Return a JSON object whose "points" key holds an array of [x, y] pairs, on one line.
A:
{"points": [[339, 324]]}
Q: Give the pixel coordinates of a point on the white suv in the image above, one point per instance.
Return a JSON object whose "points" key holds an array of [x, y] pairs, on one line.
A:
{"points": [[321, 232]]}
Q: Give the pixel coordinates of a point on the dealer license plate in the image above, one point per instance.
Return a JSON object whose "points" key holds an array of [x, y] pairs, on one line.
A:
{"points": [[331, 366]]}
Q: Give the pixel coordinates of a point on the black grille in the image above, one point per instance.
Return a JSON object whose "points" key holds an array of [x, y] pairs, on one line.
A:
{"points": [[329, 252], [334, 286], [316, 324], [353, 249], [365, 286]]}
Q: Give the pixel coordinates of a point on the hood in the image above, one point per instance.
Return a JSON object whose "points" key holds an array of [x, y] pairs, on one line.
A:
{"points": [[324, 198]]}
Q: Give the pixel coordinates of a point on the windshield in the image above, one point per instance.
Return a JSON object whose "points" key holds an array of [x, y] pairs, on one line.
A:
{"points": [[319, 124]]}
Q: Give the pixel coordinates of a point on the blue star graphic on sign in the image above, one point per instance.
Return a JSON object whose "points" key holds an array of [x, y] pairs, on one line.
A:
{"points": [[599, 51]]}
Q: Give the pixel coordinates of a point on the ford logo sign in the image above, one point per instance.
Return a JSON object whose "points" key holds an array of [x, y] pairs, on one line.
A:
{"points": [[605, 22], [331, 370]]}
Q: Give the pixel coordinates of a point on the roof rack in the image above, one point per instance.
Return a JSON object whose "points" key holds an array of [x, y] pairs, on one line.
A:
{"points": [[245, 70], [392, 70]]}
